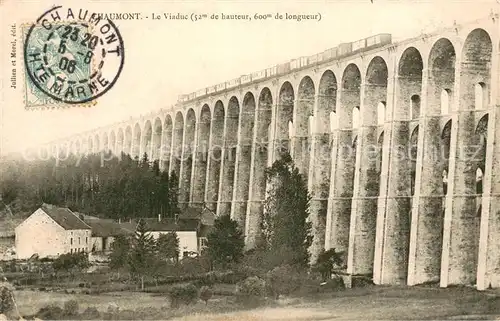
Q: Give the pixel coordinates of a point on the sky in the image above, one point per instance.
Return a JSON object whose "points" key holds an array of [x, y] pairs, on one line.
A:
{"points": [[166, 58]]}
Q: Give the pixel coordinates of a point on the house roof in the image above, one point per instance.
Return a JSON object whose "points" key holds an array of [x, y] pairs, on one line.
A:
{"points": [[169, 224], [203, 214], [166, 224], [105, 227], [64, 217]]}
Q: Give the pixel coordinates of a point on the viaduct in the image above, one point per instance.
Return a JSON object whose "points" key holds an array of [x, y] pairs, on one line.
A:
{"points": [[398, 142]]}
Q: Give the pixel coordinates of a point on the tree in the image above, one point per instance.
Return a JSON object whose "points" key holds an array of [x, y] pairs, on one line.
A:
{"points": [[225, 243], [71, 262], [6, 298], [326, 261], [167, 246], [285, 228], [120, 249], [173, 195], [142, 257]]}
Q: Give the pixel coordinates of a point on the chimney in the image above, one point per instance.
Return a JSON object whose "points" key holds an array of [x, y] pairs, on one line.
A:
{"points": [[81, 217], [159, 217], [119, 220], [176, 218]]}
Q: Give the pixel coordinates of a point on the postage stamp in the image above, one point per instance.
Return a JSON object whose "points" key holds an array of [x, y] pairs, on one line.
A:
{"points": [[71, 57]]}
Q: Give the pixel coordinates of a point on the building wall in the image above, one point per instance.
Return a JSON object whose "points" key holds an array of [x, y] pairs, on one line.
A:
{"points": [[40, 234], [188, 241], [78, 241], [100, 244], [96, 245]]}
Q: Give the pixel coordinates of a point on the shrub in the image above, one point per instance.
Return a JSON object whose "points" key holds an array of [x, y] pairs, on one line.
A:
{"points": [[50, 312], [283, 280], [251, 291], [205, 294], [186, 294], [191, 266], [6, 300], [90, 313], [71, 307]]}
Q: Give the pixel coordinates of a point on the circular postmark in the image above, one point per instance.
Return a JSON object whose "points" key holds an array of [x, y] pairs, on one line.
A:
{"points": [[73, 56]]}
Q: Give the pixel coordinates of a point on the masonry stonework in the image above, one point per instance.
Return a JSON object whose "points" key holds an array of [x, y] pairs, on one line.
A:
{"points": [[397, 141]]}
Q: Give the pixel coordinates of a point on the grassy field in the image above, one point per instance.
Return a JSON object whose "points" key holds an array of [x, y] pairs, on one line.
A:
{"points": [[371, 303]]}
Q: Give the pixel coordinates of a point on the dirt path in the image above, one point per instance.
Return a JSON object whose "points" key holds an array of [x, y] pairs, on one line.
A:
{"points": [[377, 304], [373, 303]]}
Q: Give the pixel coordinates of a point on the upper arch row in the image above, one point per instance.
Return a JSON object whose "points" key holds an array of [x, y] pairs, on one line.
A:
{"points": [[407, 58]]}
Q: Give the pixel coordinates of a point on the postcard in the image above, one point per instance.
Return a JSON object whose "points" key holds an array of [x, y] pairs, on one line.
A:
{"points": [[249, 160]]}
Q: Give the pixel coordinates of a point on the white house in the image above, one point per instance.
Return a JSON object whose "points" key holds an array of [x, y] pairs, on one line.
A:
{"points": [[51, 231], [186, 228], [187, 232]]}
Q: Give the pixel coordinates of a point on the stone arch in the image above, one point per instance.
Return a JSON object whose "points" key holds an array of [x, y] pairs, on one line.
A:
{"points": [[62, 152], [127, 149], [326, 118], [442, 60], [264, 118], [187, 157], [346, 144], [301, 142], [440, 76], [229, 161], [201, 159], [136, 142], [90, 145], [375, 91], [214, 166], [367, 184], [166, 148], [120, 141], [71, 147], [112, 141], [284, 116], [105, 142], [350, 95], [242, 183], [247, 120], [409, 80], [474, 93], [157, 135], [147, 137], [178, 132], [475, 70], [260, 163], [78, 147], [97, 144]]}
